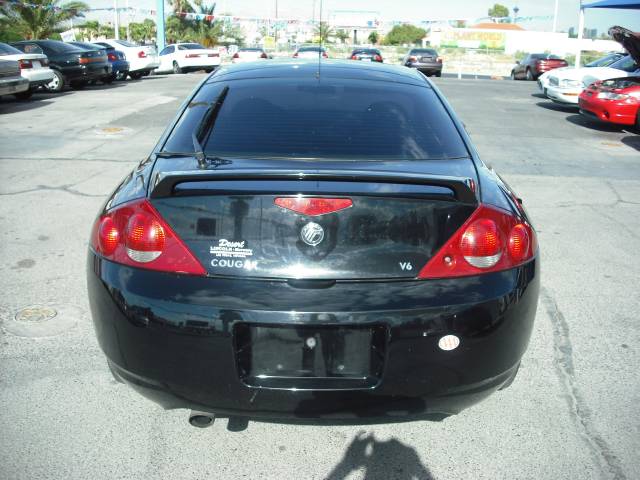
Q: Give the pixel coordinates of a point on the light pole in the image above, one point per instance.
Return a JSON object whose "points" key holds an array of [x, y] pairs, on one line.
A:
{"points": [[160, 25], [555, 17], [580, 35], [116, 20]]}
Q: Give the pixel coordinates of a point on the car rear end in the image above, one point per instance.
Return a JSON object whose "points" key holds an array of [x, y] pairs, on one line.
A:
{"points": [[615, 101], [33, 66], [11, 82], [249, 55], [357, 280], [367, 55], [142, 58], [310, 52], [193, 60], [426, 61], [547, 64]]}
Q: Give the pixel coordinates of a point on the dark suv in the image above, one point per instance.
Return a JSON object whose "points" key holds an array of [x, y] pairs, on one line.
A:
{"points": [[425, 60], [70, 64]]}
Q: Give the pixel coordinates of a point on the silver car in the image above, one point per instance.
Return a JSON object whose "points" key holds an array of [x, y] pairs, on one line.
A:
{"points": [[11, 82]]}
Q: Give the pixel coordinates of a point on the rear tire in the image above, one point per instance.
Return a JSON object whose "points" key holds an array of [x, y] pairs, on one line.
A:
{"points": [[529, 74], [513, 75], [122, 75], [108, 80], [57, 84], [135, 75], [176, 68], [438, 74], [26, 95]]}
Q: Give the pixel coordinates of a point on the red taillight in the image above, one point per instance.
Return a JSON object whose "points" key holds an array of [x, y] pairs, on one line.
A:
{"points": [[295, 55], [324, 55], [354, 57], [142, 54], [413, 59], [489, 241], [135, 234], [264, 55], [235, 55], [83, 60], [313, 206], [112, 57], [378, 58], [25, 64]]}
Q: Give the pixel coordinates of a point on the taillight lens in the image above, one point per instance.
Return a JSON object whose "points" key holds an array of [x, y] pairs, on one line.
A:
{"points": [[490, 240], [324, 55], [142, 54], [112, 57], [413, 59], [312, 205], [264, 55], [235, 55], [295, 55], [83, 60], [353, 57], [378, 58], [135, 234], [25, 64]]}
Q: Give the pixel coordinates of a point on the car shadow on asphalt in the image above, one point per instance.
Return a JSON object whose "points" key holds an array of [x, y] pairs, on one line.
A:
{"points": [[549, 105], [632, 141], [583, 121], [13, 105], [380, 460], [539, 95]]}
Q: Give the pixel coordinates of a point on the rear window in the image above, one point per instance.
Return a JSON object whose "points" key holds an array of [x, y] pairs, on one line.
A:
{"points": [[366, 51], [337, 119], [422, 51], [124, 43], [190, 46], [311, 49], [60, 47], [250, 50], [8, 50]]}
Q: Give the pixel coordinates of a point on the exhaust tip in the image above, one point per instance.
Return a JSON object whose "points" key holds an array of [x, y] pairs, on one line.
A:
{"points": [[201, 419]]}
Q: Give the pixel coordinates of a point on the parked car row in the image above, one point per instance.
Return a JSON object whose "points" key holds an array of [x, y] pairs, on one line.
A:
{"points": [[607, 90]]}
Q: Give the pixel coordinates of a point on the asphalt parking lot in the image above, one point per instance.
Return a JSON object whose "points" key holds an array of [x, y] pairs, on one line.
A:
{"points": [[572, 413]]}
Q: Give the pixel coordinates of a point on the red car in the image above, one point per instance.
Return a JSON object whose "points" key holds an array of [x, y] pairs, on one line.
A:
{"points": [[535, 64], [616, 100]]}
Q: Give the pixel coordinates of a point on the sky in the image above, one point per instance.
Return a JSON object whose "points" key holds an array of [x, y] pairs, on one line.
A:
{"points": [[601, 19]]}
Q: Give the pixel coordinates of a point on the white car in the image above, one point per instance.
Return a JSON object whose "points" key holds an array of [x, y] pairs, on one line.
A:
{"points": [[142, 58], [249, 55], [310, 52], [33, 66], [188, 57], [543, 80], [567, 85]]}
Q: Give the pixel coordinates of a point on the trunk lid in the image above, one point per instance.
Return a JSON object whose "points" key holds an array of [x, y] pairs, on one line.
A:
{"points": [[232, 224]]}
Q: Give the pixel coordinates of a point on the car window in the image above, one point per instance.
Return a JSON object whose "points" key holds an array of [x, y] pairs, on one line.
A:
{"points": [[345, 119], [60, 47], [167, 50], [124, 43], [190, 46], [311, 49], [8, 49], [31, 48], [250, 50], [626, 64], [423, 51]]}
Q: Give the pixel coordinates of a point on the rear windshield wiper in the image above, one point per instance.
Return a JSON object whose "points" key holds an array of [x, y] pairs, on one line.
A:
{"points": [[203, 130]]}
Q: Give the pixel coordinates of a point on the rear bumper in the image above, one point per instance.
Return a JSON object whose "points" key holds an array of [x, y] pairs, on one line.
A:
{"points": [[86, 72], [171, 337], [609, 111], [119, 66], [193, 64], [10, 85], [428, 68], [37, 76]]}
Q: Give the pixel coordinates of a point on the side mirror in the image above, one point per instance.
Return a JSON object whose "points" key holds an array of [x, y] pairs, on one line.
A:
{"points": [[517, 62]]}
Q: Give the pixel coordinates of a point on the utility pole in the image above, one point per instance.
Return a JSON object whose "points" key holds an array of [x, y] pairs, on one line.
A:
{"points": [[555, 17], [276, 29], [580, 35], [128, 22], [160, 25], [116, 20]]}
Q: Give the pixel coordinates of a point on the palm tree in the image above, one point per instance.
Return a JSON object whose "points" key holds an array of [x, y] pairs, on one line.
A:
{"points": [[342, 35], [90, 29], [323, 31], [42, 17]]}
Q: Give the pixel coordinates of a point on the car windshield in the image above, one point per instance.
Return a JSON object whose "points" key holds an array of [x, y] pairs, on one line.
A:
{"points": [[61, 47], [190, 46], [626, 64], [8, 50], [124, 43], [604, 61], [346, 120]]}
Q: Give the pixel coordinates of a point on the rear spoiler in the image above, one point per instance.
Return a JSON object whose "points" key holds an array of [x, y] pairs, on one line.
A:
{"points": [[463, 188]]}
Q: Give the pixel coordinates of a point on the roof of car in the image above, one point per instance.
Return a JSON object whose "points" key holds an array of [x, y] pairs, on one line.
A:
{"points": [[296, 68]]}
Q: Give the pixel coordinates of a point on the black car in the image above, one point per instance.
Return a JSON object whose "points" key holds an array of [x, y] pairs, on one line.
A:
{"points": [[425, 60], [314, 243], [119, 65], [367, 55], [71, 65]]}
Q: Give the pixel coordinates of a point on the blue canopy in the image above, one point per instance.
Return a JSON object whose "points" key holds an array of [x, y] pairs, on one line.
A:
{"points": [[628, 4]]}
